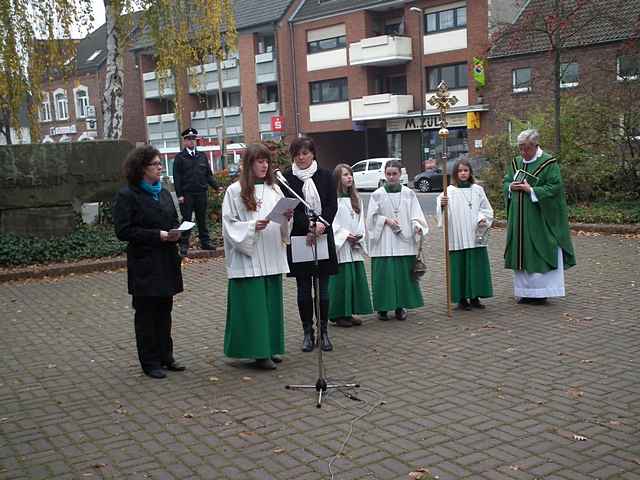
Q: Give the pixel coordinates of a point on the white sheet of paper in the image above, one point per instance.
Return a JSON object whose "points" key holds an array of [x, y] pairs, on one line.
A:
{"points": [[284, 204], [184, 226], [301, 252]]}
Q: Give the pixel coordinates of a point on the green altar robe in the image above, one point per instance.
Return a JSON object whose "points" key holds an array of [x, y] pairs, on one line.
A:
{"points": [[535, 230]]}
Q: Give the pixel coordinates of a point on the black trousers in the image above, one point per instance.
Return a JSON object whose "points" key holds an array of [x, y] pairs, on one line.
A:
{"points": [[153, 331], [195, 202], [305, 300]]}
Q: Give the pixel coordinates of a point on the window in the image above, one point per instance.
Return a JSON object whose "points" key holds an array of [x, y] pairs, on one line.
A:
{"points": [[629, 67], [329, 91], [454, 75], [45, 108], [266, 44], [61, 104], [374, 166], [392, 28], [568, 75], [269, 94], [521, 80], [327, 44], [82, 101], [359, 167], [445, 20]]}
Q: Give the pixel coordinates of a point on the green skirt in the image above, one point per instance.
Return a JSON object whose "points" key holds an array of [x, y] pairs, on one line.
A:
{"points": [[470, 274], [349, 291], [255, 317], [393, 285]]}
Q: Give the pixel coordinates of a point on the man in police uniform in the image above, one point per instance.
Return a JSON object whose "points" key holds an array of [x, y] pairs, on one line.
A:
{"points": [[192, 176]]}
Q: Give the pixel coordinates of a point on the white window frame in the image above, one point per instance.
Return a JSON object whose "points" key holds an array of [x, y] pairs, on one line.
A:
{"points": [[563, 68], [59, 116], [76, 91], [45, 103], [621, 79], [515, 89]]}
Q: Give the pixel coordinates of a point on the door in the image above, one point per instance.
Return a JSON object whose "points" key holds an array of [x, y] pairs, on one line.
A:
{"points": [[359, 173]]}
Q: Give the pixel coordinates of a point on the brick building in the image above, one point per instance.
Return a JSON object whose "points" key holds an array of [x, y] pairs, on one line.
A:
{"points": [[358, 75], [71, 109], [600, 54]]}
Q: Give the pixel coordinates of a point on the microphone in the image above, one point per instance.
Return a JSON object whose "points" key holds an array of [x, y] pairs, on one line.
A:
{"points": [[278, 173]]}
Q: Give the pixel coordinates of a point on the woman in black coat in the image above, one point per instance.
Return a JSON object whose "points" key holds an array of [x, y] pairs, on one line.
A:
{"points": [[317, 186], [144, 215]]}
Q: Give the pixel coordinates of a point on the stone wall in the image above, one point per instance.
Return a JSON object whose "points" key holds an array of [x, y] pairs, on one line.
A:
{"points": [[42, 186]]}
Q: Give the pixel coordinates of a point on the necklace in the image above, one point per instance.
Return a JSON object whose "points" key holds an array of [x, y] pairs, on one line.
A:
{"points": [[259, 200], [395, 208], [468, 199]]}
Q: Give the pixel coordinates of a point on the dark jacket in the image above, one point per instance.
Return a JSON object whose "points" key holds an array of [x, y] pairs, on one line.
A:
{"points": [[153, 266], [326, 186], [192, 174]]}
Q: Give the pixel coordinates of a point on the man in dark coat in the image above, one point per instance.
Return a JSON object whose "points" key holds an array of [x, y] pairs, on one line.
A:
{"points": [[192, 176]]}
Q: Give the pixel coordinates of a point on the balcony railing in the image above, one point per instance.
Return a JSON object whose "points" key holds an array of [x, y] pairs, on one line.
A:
{"points": [[265, 112], [163, 130], [208, 121], [266, 68], [204, 78], [381, 51], [158, 84], [385, 105]]}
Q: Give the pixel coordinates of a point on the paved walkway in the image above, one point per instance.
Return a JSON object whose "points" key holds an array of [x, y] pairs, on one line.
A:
{"points": [[514, 392]]}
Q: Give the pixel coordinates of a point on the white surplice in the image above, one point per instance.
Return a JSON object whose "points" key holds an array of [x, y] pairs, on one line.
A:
{"points": [[540, 285], [463, 220], [345, 222], [403, 206], [251, 253]]}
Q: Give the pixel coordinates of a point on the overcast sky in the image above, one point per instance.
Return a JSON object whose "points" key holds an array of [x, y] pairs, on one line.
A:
{"points": [[98, 13]]}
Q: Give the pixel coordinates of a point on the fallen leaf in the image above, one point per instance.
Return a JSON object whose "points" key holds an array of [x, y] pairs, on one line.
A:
{"points": [[4, 419], [99, 465], [51, 365], [214, 379], [279, 450], [615, 423], [586, 361], [514, 467], [420, 474], [247, 379], [247, 434], [188, 415], [579, 438], [587, 319], [575, 392], [121, 410]]}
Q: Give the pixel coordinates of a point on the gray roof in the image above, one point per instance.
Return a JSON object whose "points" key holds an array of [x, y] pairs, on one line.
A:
{"points": [[317, 8], [592, 24]]}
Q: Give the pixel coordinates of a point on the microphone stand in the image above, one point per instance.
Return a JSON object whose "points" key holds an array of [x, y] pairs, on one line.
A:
{"points": [[321, 386]]}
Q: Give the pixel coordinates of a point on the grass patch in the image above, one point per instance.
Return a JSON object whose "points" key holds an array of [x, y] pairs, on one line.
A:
{"points": [[618, 213]]}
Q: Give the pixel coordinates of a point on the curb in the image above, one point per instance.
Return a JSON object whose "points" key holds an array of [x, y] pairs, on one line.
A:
{"points": [[98, 265], [607, 228]]}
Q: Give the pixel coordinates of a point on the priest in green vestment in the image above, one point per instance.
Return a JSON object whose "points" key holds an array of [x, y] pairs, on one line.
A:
{"points": [[539, 246]]}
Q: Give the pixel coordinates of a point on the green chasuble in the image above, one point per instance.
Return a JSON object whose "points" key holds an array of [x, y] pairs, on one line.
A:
{"points": [[535, 230], [255, 317]]}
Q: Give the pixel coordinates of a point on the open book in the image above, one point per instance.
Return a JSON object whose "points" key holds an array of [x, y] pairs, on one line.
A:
{"points": [[521, 176]]}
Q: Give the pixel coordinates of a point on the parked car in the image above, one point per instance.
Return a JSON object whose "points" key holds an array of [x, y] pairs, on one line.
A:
{"points": [[429, 180], [369, 174]]}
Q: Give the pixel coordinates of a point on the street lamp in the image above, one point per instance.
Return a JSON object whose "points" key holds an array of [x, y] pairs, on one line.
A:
{"points": [[420, 12]]}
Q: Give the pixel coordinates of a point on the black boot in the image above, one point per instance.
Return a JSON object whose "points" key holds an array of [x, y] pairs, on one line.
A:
{"points": [[325, 342], [306, 316]]}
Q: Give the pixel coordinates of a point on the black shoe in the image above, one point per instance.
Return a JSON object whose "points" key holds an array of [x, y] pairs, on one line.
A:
{"points": [[356, 321], [538, 301], [276, 358], [155, 373], [343, 322], [207, 246], [401, 314], [475, 303], [325, 342], [525, 300], [265, 364], [383, 316], [309, 342], [464, 305], [184, 252], [175, 367]]}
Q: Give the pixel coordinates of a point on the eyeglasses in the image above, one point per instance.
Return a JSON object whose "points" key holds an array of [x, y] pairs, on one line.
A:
{"points": [[155, 164]]}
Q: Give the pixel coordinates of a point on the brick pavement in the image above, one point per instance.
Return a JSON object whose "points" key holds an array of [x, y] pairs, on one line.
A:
{"points": [[497, 394]]}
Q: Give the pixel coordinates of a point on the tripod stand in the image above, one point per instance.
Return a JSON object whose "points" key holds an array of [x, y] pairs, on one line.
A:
{"points": [[321, 386]]}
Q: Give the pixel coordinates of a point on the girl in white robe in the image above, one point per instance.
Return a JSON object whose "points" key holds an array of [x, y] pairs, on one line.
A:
{"points": [[395, 225], [470, 216], [255, 258], [348, 289]]}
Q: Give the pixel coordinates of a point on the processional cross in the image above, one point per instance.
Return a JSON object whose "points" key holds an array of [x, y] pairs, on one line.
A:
{"points": [[443, 101]]}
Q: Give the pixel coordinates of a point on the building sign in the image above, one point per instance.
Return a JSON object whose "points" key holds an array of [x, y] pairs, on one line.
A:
{"points": [[66, 130], [430, 122], [92, 124], [277, 123]]}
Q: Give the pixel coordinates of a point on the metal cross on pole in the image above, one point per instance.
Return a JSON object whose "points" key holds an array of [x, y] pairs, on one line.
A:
{"points": [[443, 102]]}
